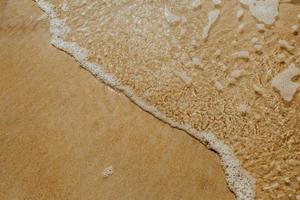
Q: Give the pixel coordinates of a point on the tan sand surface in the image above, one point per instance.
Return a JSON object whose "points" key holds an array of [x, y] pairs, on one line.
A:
{"points": [[60, 128]]}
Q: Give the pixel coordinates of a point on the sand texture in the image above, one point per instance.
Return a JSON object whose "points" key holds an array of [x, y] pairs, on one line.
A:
{"points": [[60, 128], [202, 68]]}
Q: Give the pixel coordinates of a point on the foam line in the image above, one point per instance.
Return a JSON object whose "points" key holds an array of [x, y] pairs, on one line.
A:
{"points": [[238, 180]]}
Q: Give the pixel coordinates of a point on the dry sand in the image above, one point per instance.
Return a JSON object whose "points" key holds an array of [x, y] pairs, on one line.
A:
{"points": [[60, 128]]}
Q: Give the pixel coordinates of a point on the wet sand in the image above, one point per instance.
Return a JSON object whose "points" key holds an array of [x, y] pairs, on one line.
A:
{"points": [[60, 128]]}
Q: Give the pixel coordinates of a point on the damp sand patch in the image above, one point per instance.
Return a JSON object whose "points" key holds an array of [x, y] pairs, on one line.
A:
{"points": [[193, 65]]}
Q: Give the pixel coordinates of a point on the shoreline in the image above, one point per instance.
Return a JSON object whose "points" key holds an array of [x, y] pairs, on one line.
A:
{"points": [[238, 180]]}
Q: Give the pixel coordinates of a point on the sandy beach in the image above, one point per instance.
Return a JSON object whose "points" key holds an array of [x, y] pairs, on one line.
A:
{"points": [[60, 128]]}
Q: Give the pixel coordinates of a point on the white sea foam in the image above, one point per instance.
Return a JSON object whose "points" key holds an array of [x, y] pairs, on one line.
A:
{"points": [[212, 18], [283, 82], [108, 171], [239, 181], [265, 11], [196, 4], [170, 17]]}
